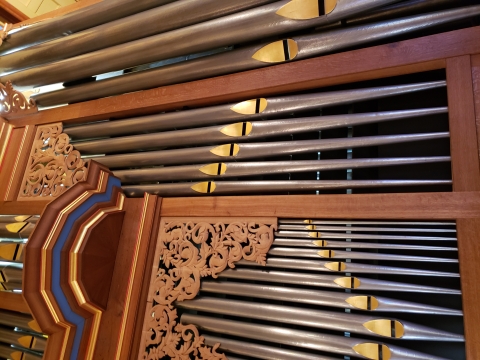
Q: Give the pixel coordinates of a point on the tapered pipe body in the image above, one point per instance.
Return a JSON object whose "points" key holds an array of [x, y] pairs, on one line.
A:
{"points": [[11, 273], [239, 169], [22, 321], [401, 9], [316, 341], [260, 351], [344, 267], [322, 298], [331, 235], [319, 227], [9, 336], [320, 319], [330, 281], [354, 255], [245, 131], [89, 16], [262, 187], [241, 27], [247, 151], [355, 245], [362, 222], [247, 110], [242, 59], [172, 16]]}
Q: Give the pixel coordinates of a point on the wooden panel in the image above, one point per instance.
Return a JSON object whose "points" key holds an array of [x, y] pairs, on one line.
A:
{"points": [[23, 207], [463, 131], [11, 13], [427, 53], [123, 310], [469, 253], [58, 12], [13, 302], [420, 206], [13, 165], [137, 332], [475, 60]]}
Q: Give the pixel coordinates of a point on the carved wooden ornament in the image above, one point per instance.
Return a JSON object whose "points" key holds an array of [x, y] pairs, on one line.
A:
{"points": [[187, 251], [54, 166], [4, 32], [13, 102]]}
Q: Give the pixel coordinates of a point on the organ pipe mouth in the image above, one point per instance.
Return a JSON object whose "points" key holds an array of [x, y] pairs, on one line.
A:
{"points": [[278, 51], [250, 107], [306, 9], [363, 302], [373, 351]]}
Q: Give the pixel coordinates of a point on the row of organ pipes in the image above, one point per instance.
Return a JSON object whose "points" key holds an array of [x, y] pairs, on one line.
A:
{"points": [[20, 336]]}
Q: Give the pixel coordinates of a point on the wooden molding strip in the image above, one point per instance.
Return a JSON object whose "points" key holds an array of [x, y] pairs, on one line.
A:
{"points": [[419, 206]]}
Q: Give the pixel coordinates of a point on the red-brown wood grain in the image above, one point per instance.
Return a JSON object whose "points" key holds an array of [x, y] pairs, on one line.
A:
{"points": [[13, 302], [463, 130], [475, 60], [420, 206]]}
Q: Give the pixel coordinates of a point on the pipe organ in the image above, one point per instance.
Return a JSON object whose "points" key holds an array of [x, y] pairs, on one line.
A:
{"points": [[256, 179]]}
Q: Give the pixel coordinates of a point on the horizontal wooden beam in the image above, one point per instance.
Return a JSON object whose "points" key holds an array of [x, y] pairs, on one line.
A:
{"points": [[23, 207], [13, 302], [409, 56], [417, 206]]}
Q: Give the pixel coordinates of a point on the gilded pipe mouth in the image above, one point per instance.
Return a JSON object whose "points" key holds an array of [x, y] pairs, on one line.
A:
{"points": [[250, 107], [277, 52], [306, 9]]}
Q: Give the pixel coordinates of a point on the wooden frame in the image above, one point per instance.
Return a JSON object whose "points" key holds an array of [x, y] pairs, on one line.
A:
{"points": [[458, 52]]}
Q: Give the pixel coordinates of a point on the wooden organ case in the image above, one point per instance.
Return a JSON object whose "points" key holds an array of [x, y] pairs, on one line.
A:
{"points": [[121, 266]]}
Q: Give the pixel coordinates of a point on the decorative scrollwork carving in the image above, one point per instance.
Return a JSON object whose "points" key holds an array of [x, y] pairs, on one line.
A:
{"points": [[53, 166], [14, 102], [189, 251], [4, 32]]}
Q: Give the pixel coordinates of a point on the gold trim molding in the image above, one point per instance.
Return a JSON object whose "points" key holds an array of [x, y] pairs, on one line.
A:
{"points": [[13, 102], [188, 250], [53, 166]]}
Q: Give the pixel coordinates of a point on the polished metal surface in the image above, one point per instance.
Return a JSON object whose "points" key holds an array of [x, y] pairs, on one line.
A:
{"points": [[9, 336], [400, 9], [263, 187], [72, 22], [245, 131], [363, 222], [298, 338], [11, 272], [221, 114], [330, 281], [172, 16], [16, 231], [236, 28], [344, 267], [311, 226], [249, 151], [329, 235], [18, 218], [355, 245], [260, 351], [241, 59], [239, 169], [321, 319], [322, 298], [354, 255]]}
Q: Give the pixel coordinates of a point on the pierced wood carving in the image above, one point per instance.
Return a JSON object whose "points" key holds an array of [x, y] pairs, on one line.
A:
{"points": [[54, 166], [188, 251], [4, 32], [13, 102]]}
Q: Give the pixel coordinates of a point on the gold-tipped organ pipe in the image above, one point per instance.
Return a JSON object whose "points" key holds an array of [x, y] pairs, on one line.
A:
{"points": [[257, 56], [253, 109]]}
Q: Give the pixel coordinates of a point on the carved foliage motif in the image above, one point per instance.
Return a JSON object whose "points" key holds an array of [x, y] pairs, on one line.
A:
{"points": [[13, 101], [188, 252], [4, 32], [53, 166]]}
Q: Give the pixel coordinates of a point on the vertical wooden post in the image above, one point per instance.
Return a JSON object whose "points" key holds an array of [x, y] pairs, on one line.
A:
{"points": [[476, 91], [463, 131]]}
